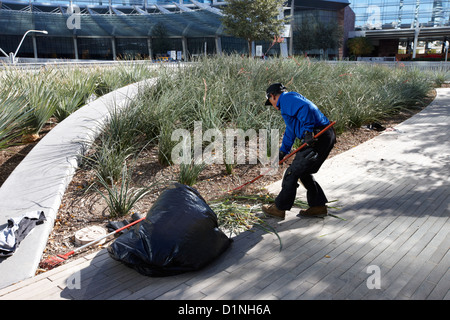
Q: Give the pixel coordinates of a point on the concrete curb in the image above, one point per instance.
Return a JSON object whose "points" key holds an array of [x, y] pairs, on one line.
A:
{"points": [[40, 180]]}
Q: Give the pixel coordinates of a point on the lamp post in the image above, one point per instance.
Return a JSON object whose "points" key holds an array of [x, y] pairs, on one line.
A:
{"points": [[4, 52], [446, 50], [13, 55]]}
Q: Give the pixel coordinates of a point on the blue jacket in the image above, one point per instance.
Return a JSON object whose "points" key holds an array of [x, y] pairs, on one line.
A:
{"points": [[300, 115]]}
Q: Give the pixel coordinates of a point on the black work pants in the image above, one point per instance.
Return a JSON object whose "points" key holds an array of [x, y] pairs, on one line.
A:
{"points": [[306, 162]]}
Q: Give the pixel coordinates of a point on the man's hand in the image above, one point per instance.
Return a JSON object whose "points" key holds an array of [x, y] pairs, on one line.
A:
{"points": [[281, 155], [309, 139]]}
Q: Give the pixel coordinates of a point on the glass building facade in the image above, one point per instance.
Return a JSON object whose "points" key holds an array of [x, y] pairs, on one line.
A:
{"points": [[141, 3], [112, 29], [395, 14], [404, 29]]}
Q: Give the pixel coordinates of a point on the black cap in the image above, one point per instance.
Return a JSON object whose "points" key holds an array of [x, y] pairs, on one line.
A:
{"points": [[274, 88]]}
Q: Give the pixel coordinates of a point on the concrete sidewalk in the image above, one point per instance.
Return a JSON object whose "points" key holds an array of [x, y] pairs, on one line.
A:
{"points": [[393, 192]]}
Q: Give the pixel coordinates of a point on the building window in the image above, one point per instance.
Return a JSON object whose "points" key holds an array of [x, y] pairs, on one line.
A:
{"points": [[55, 47], [131, 48], [95, 48]]}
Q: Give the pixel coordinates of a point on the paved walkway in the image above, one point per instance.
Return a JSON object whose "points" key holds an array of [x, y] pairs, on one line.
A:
{"points": [[394, 195]]}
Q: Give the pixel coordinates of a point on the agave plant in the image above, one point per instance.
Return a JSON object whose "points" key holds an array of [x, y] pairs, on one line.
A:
{"points": [[13, 117], [72, 91], [108, 161], [40, 100], [120, 196], [189, 173]]}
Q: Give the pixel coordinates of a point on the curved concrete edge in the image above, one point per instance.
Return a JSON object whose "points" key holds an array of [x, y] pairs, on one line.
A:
{"points": [[40, 180]]}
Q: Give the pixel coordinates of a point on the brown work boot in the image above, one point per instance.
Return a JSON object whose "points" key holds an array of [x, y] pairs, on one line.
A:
{"points": [[271, 209], [317, 211]]}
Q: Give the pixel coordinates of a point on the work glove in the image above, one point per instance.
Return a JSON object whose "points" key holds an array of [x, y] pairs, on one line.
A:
{"points": [[309, 139], [281, 155]]}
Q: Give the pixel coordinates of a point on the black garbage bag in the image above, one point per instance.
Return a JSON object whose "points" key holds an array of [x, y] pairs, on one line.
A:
{"points": [[179, 234]]}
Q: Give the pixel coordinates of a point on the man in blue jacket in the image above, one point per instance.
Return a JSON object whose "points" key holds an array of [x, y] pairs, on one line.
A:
{"points": [[303, 120]]}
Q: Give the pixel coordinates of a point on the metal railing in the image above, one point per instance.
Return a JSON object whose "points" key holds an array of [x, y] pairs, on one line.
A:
{"points": [[441, 66], [115, 2], [31, 63]]}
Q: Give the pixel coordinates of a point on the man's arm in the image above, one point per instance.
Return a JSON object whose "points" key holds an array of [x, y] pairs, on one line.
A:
{"points": [[288, 141]]}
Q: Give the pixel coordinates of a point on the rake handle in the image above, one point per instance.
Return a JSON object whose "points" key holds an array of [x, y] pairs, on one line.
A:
{"points": [[305, 144], [68, 254], [287, 156]]}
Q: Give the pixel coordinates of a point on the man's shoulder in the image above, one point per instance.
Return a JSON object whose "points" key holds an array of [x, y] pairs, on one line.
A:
{"points": [[292, 100], [292, 95]]}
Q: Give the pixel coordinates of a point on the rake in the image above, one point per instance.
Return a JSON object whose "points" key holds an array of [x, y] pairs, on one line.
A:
{"points": [[285, 158], [53, 261]]}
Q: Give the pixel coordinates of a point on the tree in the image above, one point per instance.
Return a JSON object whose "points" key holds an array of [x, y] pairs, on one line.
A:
{"points": [[314, 34], [253, 20], [329, 36], [160, 43], [359, 46], [305, 35]]}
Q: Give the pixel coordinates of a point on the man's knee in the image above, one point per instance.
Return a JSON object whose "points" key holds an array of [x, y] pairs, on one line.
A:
{"points": [[290, 179]]}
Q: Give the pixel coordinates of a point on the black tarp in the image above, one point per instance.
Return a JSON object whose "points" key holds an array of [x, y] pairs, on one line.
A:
{"points": [[179, 234]]}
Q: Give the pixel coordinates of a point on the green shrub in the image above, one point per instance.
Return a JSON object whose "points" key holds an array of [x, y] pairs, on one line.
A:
{"points": [[120, 196], [12, 119], [58, 92], [229, 91], [189, 173]]}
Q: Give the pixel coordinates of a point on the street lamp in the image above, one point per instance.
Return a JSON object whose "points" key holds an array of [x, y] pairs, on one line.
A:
{"points": [[4, 52], [446, 50], [13, 55]]}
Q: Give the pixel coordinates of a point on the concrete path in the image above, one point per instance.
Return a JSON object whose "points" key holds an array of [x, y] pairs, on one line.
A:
{"points": [[393, 192]]}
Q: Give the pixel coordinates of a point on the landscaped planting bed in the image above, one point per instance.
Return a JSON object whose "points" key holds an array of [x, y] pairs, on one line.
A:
{"points": [[131, 161]]}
